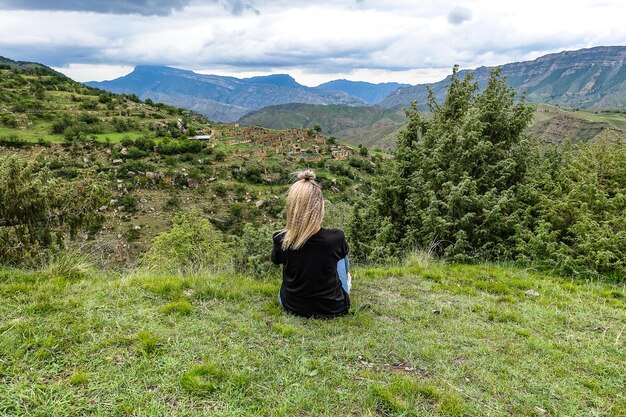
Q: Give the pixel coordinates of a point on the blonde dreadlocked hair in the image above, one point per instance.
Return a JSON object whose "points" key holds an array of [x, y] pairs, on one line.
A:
{"points": [[304, 211]]}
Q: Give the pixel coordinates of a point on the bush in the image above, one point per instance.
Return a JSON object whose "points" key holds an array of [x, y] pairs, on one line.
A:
{"points": [[39, 212], [576, 221], [191, 245], [62, 123], [175, 147], [456, 176], [248, 173], [135, 153], [8, 120], [145, 144], [253, 250], [129, 202], [13, 141]]}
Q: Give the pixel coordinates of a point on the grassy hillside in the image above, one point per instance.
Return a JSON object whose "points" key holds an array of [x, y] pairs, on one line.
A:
{"points": [[39, 104], [555, 125], [378, 127], [154, 170], [421, 339], [370, 126]]}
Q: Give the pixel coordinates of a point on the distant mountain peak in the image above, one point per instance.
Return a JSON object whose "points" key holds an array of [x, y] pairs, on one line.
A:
{"points": [[368, 92], [217, 97], [159, 69], [279, 80]]}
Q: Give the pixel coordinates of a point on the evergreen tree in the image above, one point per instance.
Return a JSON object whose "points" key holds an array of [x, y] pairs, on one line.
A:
{"points": [[38, 211], [454, 179]]}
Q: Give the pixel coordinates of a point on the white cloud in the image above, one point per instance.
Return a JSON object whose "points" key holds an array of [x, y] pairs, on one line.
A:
{"points": [[321, 40], [94, 72]]}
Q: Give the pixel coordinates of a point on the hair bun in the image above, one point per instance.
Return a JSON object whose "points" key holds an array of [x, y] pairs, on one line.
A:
{"points": [[307, 175]]}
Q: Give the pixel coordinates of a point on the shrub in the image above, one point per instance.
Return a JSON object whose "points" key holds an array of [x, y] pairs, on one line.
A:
{"points": [[8, 120], [135, 153], [145, 144], [191, 245], [62, 123], [13, 141], [456, 176], [248, 173], [337, 215], [576, 221], [39, 212], [253, 250], [129, 202]]}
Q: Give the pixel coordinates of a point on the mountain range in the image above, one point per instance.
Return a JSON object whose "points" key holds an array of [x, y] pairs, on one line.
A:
{"points": [[587, 78], [226, 99]]}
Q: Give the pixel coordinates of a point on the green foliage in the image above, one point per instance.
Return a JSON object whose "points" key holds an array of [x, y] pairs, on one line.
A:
{"points": [[8, 120], [38, 212], [13, 141], [455, 176], [576, 220], [253, 249], [175, 147], [191, 245], [251, 173], [337, 214], [129, 202]]}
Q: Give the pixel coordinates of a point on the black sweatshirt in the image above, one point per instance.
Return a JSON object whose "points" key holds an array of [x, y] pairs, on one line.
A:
{"points": [[311, 286]]}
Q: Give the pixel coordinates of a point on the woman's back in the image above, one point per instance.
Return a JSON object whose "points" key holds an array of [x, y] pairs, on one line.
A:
{"points": [[311, 285]]}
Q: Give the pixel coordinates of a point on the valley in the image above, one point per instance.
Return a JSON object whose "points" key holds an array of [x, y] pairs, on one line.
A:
{"points": [[590, 81]]}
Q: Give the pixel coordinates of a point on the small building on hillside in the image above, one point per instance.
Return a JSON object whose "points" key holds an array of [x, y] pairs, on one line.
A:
{"points": [[201, 137]]}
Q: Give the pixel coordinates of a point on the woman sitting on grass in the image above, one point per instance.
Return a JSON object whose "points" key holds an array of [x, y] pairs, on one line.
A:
{"points": [[316, 281]]}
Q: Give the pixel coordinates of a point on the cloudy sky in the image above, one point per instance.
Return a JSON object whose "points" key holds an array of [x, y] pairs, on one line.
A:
{"points": [[409, 41]]}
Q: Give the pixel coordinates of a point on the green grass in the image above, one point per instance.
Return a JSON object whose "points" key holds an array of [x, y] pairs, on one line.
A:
{"points": [[41, 130], [615, 118], [426, 339]]}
